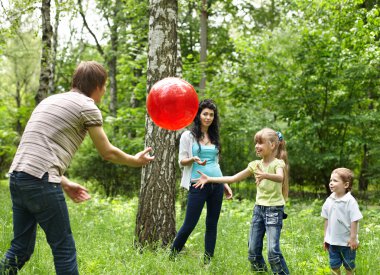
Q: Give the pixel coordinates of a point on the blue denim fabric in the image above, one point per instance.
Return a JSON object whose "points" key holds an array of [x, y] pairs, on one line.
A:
{"points": [[342, 255], [35, 201], [266, 219], [212, 195]]}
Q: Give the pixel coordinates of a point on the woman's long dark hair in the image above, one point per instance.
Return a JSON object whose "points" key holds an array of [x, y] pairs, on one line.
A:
{"points": [[213, 130]]}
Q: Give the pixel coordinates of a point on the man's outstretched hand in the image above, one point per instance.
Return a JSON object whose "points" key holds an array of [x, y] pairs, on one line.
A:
{"points": [[76, 192]]}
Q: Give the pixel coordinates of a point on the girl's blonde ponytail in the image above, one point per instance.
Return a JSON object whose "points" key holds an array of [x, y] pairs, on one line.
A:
{"points": [[283, 154]]}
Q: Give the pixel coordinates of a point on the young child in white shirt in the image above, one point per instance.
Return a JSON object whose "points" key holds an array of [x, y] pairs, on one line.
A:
{"points": [[342, 215]]}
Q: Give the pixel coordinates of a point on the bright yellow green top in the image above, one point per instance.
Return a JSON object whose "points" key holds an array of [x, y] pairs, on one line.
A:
{"points": [[269, 193]]}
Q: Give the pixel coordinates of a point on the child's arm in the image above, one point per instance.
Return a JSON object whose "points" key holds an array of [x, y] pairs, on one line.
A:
{"points": [[278, 177], [227, 179], [228, 191], [352, 243], [325, 245]]}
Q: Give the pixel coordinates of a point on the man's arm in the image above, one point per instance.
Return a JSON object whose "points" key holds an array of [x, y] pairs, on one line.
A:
{"points": [[114, 154], [75, 191]]}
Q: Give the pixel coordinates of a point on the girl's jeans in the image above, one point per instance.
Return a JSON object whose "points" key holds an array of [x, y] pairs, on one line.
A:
{"points": [[212, 195], [35, 201], [266, 219]]}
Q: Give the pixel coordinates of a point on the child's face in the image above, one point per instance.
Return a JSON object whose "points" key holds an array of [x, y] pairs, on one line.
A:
{"points": [[264, 148], [337, 185]]}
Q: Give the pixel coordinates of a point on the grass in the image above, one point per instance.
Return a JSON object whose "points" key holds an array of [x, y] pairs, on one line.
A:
{"points": [[104, 234]]}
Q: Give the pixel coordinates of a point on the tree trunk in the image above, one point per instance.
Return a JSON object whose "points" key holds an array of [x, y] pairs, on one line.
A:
{"points": [[54, 47], [18, 104], [155, 219], [369, 4], [109, 57], [47, 32], [203, 50], [363, 180], [112, 63]]}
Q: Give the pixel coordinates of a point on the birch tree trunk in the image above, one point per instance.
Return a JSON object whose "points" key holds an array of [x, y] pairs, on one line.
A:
{"points": [[47, 33], [155, 221], [203, 40], [54, 46]]}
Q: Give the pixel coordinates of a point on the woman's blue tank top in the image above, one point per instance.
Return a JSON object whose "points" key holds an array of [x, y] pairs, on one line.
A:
{"points": [[209, 153]]}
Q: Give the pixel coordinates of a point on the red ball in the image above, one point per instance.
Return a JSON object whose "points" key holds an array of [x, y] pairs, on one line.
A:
{"points": [[172, 103]]}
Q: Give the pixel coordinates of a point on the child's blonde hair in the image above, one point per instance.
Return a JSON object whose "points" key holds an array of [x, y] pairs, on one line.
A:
{"points": [[346, 175], [276, 138]]}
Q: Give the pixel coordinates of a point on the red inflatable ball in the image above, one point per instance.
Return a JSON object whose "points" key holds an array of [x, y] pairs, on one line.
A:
{"points": [[172, 103]]}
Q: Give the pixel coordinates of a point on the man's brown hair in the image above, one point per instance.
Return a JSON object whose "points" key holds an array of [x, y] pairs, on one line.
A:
{"points": [[88, 76]]}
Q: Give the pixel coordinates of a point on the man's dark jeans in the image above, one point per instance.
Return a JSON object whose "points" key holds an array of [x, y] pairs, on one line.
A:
{"points": [[37, 201]]}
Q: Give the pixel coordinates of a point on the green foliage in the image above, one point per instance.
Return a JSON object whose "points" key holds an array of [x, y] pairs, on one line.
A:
{"points": [[106, 177], [103, 229], [307, 68], [126, 131], [316, 83], [7, 148], [18, 82]]}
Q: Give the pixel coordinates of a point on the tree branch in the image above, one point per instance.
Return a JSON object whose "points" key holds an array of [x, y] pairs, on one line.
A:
{"points": [[100, 49]]}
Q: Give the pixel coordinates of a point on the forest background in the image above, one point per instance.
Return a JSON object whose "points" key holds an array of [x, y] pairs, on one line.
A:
{"points": [[309, 69]]}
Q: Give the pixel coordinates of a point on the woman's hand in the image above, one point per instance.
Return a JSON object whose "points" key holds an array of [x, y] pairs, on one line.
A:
{"points": [[199, 161], [228, 191], [201, 181]]}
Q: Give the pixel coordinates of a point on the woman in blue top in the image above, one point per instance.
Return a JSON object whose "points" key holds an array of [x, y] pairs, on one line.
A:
{"points": [[199, 150]]}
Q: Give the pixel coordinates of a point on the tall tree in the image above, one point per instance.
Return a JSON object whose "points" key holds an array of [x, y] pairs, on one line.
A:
{"points": [[155, 219], [54, 46], [47, 33], [19, 57], [203, 50], [111, 13]]}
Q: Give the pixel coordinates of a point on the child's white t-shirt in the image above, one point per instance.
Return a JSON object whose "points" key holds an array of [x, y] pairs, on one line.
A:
{"points": [[340, 213]]}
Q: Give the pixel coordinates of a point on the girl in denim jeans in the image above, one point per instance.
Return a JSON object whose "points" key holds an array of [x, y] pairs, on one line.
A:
{"points": [[271, 174]]}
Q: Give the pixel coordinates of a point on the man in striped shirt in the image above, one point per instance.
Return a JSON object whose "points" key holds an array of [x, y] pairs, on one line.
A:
{"points": [[53, 134]]}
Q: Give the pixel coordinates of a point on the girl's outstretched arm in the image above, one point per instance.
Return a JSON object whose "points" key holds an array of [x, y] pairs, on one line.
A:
{"points": [[227, 179]]}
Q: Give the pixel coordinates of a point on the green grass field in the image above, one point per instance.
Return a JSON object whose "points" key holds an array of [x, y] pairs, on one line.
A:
{"points": [[104, 233]]}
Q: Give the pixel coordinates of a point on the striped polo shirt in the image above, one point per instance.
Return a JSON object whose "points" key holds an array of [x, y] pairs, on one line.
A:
{"points": [[53, 134]]}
